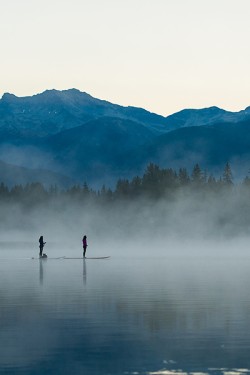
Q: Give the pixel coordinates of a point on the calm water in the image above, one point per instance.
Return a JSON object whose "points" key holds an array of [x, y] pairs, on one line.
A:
{"points": [[158, 315]]}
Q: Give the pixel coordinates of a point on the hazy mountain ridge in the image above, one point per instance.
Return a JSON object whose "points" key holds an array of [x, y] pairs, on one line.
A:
{"points": [[100, 151], [16, 175], [205, 116], [91, 151], [53, 111], [74, 134], [211, 146]]}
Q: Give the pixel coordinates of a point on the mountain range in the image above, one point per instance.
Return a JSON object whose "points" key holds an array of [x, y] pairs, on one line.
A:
{"points": [[70, 136]]}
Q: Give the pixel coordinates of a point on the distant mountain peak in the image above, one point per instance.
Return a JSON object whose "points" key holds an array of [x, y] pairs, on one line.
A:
{"points": [[49, 92], [9, 97], [74, 91], [59, 92], [66, 96]]}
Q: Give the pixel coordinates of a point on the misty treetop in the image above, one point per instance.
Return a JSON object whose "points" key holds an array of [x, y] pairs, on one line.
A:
{"points": [[155, 183], [162, 201]]}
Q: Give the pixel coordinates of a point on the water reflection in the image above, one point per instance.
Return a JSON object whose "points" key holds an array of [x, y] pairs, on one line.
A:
{"points": [[41, 271], [140, 316], [84, 272]]}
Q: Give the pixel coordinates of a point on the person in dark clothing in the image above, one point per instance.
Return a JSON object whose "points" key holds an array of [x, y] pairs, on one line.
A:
{"points": [[84, 245], [41, 246]]}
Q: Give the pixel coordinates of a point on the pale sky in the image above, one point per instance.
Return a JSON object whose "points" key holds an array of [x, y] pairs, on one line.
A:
{"points": [[162, 55]]}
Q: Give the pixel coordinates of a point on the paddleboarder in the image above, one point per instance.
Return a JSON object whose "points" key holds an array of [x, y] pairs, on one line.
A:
{"points": [[84, 245], [41, 246]]}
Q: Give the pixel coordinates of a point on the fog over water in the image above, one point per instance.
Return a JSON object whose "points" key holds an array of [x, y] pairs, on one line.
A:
{"points": [[135, 227], [172, 298]]}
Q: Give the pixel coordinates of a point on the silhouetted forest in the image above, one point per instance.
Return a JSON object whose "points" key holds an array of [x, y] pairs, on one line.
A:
{"points": [[156, 183], [161, 202]]}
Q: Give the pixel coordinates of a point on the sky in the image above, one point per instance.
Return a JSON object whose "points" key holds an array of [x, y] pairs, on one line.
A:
{"points": [[162, 55]]}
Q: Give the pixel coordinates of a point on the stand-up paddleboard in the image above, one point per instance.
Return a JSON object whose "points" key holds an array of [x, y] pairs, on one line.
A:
{"points": [[88, 258], [43, 258]]}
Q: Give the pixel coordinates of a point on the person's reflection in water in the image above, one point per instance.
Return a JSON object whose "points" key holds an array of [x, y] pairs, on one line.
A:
{"points": [[84, 272], [41, 271]]}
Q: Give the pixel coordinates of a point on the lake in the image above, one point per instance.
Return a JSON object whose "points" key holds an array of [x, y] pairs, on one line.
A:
{"points": [[124, 315]]}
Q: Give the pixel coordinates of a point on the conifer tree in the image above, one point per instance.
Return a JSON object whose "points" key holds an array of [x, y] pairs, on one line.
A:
{"points": [[183, 177], [197, 176], [227, 175]]}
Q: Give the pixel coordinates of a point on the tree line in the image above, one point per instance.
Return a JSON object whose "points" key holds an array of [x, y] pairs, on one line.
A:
{"points": [[155, 183]]}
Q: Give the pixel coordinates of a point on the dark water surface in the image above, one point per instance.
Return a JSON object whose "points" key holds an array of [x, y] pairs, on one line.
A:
{"points": [[159, 315]]}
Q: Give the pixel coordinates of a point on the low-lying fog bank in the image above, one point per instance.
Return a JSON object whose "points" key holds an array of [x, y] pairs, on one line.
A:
{"points": [[181, 222]]}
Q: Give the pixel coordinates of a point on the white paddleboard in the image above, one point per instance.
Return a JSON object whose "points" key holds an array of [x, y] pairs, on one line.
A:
{"points": [[46, 258], [88, 258]]}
